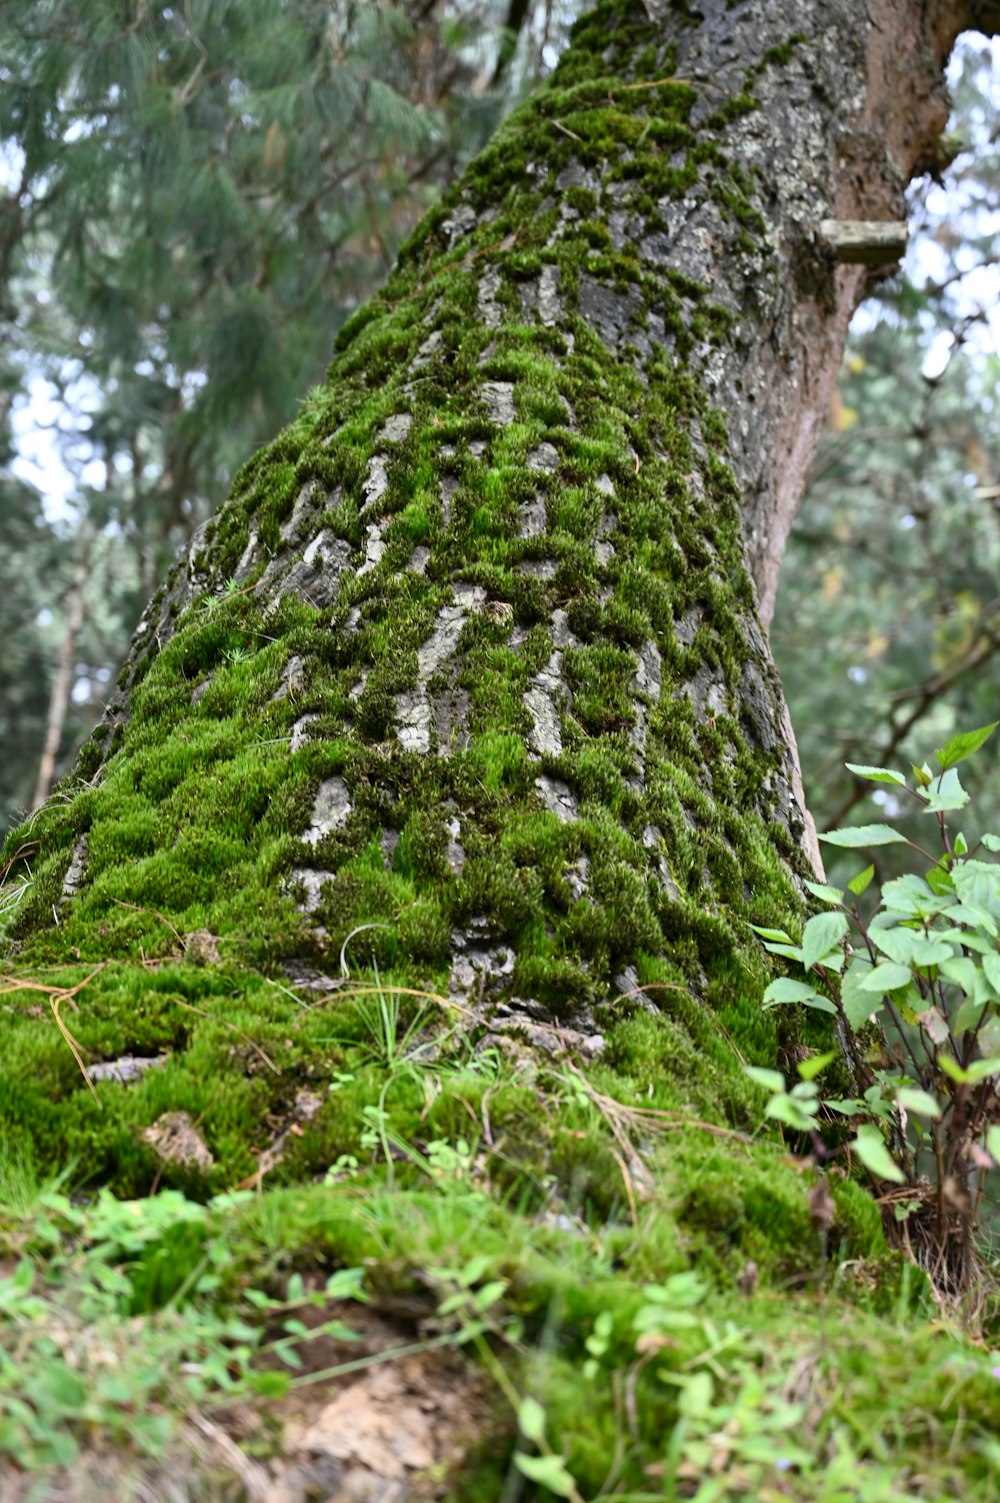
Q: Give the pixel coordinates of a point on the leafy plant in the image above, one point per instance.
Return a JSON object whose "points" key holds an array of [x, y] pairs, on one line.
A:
{"points": [[914, 985]]}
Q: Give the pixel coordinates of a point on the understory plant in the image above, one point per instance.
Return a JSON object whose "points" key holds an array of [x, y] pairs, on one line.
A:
{"points": [[910, 970]]}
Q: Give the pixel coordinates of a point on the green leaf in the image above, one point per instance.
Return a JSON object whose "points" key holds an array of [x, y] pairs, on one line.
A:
{"points": [[789, 952], [785, 990], [946, 793], [864, 835], [858, 1005], [270, 1385], [992, 842], [547, 1471], [849, 1108], [962, 746], [861, 882], [914, 1100], [886, 978], [982, 1069], [897, 943], [695, 1398], [797, 1115], [928, 952], [869, 1145], [825, 893], [822, 934], [778, 936], [771, 1080], [809, 1068], [531, 1420], [877, 774], [993, 1143]]}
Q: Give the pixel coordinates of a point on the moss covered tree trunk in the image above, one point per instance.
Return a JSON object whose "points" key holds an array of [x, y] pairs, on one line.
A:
{"points": [[468, 678]]}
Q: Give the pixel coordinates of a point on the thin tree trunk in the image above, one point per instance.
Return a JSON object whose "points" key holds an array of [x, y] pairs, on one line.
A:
{"points": [[62, 684]]}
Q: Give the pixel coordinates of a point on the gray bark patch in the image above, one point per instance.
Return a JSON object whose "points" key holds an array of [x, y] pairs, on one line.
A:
{"points": [[414, 712], [300, 731], [292, 680], [126, 1068], [499, 399], [608, 313], [543, 460], [317, 575], [557, 797], [374, 549], [331, 807], [376, 481], [396, 428], [311, 882], [490, 312], [578, 878], [532, 519], [455, 852], [652, 839], [76, 872]]}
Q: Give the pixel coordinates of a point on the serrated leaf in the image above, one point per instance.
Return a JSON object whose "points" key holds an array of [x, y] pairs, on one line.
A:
{"points": [[946, 792], [777, 935], [785, 990], [915, 1100], [531, 1420], [886, 978], [928, 952], [864, 835], [825, 893], [861, 882], [877, 774], [822, 933], [992, 842], [963, 745], [858, 1005], [869, 1145], [898, 943]]}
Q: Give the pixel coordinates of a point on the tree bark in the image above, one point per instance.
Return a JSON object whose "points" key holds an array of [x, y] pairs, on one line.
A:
{"points": [[469, 676]]}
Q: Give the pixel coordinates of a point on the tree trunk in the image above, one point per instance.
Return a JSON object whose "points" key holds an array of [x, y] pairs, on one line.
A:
{"points": [[469, 677], [62, 684]]}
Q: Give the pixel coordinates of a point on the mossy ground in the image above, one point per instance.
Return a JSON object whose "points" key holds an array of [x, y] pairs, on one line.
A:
{"points": [[581, 1179]]}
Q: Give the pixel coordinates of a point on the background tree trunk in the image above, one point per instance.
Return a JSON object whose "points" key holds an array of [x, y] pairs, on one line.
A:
{"points": [[62, 684]]}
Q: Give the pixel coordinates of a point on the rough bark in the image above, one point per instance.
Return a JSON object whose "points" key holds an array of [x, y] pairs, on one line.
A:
{"points": [[469, 676]]}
